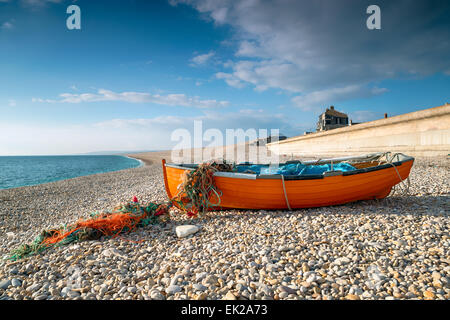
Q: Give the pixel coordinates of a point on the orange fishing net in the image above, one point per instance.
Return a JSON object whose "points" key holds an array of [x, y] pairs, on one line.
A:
{"points": [[125, 218]]}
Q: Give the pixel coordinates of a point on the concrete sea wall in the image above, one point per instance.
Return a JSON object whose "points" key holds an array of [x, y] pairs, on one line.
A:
{"points": [[421, 133]]}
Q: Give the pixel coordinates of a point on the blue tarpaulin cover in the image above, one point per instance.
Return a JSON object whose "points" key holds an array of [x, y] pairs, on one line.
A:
{"points": [[294, 169]]}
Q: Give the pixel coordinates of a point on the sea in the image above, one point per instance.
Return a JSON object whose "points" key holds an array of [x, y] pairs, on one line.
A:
{"points": [[19, 171]]}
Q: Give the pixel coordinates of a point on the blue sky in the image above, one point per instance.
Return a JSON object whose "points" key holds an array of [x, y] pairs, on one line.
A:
{"points": [[138, 70]]}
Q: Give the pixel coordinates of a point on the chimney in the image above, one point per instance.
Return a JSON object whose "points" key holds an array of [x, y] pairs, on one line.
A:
{"points": [[385, 115], [332, 107]]}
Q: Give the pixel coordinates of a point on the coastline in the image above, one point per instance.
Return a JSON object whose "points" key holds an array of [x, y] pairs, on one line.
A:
{"points": [[149, 158], [140, 164], [400, 232]]}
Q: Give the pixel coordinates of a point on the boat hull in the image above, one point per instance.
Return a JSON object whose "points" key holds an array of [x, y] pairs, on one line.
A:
{"points": [[268, 193]]}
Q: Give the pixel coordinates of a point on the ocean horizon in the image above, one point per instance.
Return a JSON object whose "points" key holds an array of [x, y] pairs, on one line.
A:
{"points": [[21, 171]]}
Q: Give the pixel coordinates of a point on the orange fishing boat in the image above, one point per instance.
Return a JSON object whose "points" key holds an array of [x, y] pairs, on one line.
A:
{"points": [[372, 177]]}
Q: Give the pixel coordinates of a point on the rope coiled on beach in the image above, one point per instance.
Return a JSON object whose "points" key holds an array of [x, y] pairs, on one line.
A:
{"points": [[197, 189]]}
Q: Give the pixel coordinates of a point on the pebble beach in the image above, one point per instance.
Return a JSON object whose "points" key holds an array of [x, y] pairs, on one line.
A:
{"points": [[395, 248]]}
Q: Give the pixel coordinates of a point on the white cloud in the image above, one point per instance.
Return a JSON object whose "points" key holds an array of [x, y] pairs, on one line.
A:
{"points": [[317, 100], [201, 59], [244, 118], [137, 97], [265, 74], [12, 103], [230, 79], [250, 49], [308, 46], [7, 25]]}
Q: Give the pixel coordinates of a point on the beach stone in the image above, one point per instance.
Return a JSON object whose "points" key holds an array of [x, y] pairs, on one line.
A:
{"points": [[122, 290], [410, 295], [266, 290], [378, 276], [10, 235], [240, 287], [436, 275], [341, 282], [199, 287], [265, 260], [156, 295], [110, 252], [311, 278], [132, 289], [174, 280], [287, 289], [54, 292], [186, 230], [245, 294], [173, 289], [413, 289], [200, 276], [4, 284], [211, 279], [64, 291], [357, 291], [342, 261], [16, 282], [34, 287], [230, 284], [201, 296], [271, 267], [103, 290], [229, 296], [73, 294], [14, 270], [165, 281]]}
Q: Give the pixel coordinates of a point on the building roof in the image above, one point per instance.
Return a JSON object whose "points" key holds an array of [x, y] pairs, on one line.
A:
{"points": [[335, 113]]}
